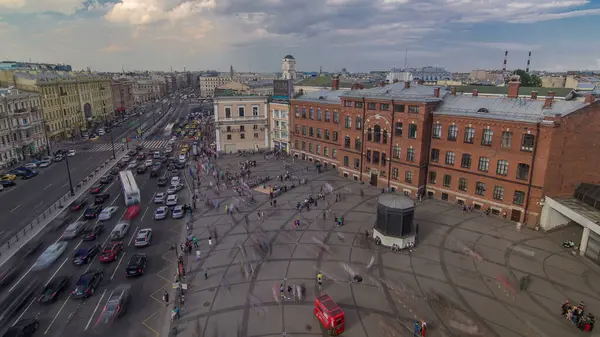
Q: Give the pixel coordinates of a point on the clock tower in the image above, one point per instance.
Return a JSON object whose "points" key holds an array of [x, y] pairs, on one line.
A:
{"points": [[288, 68]]}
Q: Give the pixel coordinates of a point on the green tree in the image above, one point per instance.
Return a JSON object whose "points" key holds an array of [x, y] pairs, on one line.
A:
{"points": [[528, 80]]}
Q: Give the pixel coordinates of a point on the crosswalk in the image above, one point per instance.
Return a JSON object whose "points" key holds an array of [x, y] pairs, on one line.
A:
{"points": [[147, 144]]}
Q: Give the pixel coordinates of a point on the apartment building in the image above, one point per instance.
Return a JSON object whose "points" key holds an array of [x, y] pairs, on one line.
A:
{"points": [[208, 84], [122, 93], [279, 126], [21, 125], [241, 123]]}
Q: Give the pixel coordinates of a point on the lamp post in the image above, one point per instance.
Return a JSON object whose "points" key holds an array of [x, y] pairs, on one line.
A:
{"points": [[112, 143], [69, 174]]}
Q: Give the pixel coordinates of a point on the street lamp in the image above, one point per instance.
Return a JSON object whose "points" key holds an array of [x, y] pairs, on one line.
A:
{"points": [[69, 174]]}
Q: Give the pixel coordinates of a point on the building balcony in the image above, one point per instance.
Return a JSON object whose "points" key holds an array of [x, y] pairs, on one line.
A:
{"points": [[21, 111]]}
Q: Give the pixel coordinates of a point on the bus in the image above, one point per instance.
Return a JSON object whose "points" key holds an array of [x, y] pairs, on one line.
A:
{"points": [[130, 188]]}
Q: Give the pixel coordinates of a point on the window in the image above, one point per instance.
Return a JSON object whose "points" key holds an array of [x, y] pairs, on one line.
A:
{"points": [[318, 132], [303, 112], [304, 130], [385, 137], [229, 129], [254, 111], [228, 137], [486, 138], [462, 184], [435, 155], [318, 148], [325, 151], [383, 158], [447, 180], [506, 140], [369, 134], [437, 131], [311, 131], [399, 108], [522, 171], [465, 161], [519, 198], [346, 161], [347, 142], [357, 163], [348, 122], [398, 129], [326, 134], [297, 145], [297, 112], [408, 177], [358, 123], [452, 133], [384, 107], [377, 133], [413, 109], [310, 147], [502, 168], [484, 164], [395, 173], [450, 157], [336, 117], [498, 192], [358, 105], [348, 104], [241, 111], [311, 113], [432, 177], [319, 114], [479, 188], [357, 144], [372, 106], [242, 136], [375, 157], [333, 153], [369, 156], [527, 142], [227, 112], [256, 135], [412, 131], [469, 135], [242, 128], [327, 116], [335, 136], [396, 152], [410, 154]]}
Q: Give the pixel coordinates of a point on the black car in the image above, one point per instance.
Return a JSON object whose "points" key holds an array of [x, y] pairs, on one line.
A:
{"points": [[87, 284], [7, 183], [78, 204], [92, 212], [106, 179], [54, 288], [19, 298], [179, 165], [162, 181], [101, 198], [137, 264], [141, 169], [155, 171], [139, 147], [24, 328], [91, 233], [131, 152], [114, 170], [84, 255]]}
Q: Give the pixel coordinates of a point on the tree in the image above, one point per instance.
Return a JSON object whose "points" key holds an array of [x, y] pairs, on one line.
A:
{"points": [[528, 80]]}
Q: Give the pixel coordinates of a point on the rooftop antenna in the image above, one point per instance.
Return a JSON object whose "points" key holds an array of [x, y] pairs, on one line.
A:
{"points": [[528, 62], [505, 58], [405, 59]]}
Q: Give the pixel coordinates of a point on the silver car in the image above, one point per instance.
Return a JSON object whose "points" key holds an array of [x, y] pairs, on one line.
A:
{"points": [[51, 254], [174, 189], [108, 213], [120, 231], [178, 212], [159, 198], [161, 213], [143, 237], [73, 230]]}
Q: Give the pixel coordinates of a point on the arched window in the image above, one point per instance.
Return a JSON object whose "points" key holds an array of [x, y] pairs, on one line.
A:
{"points": [[357, 144], [385, 137], [377, 137], [347, 142], [369, 134]]}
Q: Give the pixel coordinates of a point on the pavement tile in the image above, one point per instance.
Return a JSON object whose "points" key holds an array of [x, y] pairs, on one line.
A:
{"points": [[367, 296], [233, 297], [273, 270], [493, 311], [297, 318], [428, 268], [224, 324], [218, 258], [302, 269], [469, 280]]}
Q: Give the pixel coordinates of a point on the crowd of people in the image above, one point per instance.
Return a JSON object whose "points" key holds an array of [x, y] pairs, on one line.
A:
{"points": [[577, 315]]}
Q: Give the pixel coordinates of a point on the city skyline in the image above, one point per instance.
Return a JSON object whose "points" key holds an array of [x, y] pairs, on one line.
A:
{"points": [[358, 35]]}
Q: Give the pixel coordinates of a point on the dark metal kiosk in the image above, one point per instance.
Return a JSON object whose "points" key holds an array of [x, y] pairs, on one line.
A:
{"points": [[394, 224]]}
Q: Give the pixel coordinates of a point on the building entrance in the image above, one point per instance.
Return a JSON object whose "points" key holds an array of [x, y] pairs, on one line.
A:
{"points": [[374, 179]]}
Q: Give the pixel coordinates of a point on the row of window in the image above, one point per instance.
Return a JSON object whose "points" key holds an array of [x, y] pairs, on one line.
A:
{"points": [[311, 149], [487, 137], [382, 106], [483, 163], [243, 136], [320, 133], [319, 114], [241, 111], [480, 188], [242, 128]]}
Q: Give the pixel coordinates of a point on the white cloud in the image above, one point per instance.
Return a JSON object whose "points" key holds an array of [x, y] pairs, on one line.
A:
{"points": [[504, 46], [143, 12], [35, 6]]}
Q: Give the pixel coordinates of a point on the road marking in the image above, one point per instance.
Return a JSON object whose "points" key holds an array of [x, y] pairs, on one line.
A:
{"points": [[58, 313], [38, 205], [117, 268], [56, 272], [79, 244], [133, 236], [23, 313], [47, 187], [90, 157], [16, 208], [21, 279], [143, 215], [95, 309], [65, 185], [117, 197]]}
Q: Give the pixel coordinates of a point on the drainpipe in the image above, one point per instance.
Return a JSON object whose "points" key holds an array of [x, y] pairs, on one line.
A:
{"points": [[530, 181], [391, 145], [429, 140], [362, 143]]}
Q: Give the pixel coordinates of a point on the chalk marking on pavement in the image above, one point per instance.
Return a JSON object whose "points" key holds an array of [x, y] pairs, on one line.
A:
{"points": [[16, 208], [118, 264], [21, 279], [143, 215], [23, 313], [58, 313], [95, 309], [47, 187], [57, 270], [1, 232], [132, 236]]}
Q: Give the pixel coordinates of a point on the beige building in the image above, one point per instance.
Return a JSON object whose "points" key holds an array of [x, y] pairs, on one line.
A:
{"points": [[208, 84], [21, 125], [553, 81], [122, 93], [241, 123], [71, 101], [279, 126]]}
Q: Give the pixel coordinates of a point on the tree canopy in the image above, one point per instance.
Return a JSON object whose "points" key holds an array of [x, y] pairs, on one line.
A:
{"points": [[528, 80]]}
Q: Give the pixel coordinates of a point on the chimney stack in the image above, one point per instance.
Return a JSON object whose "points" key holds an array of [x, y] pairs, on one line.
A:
{"points": [[549, 99], [590, 98], [301, 92], [335, 82], [513, 88], [534, 95], [406, 84], [475, 92], [436, 92], [453, 91]]}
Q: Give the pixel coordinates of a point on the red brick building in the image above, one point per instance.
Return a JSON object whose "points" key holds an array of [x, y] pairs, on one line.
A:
{"points": [[500, 153]]}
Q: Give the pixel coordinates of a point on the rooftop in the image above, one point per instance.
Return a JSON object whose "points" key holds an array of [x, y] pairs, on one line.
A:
{"points": [[495, 90], [13, 93], [325, 81], [53, 75], [416, 93], [323, 96]]}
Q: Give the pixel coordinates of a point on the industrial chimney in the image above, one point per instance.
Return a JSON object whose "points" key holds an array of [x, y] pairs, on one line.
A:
{"points": [[505, 57], [528, 62]]}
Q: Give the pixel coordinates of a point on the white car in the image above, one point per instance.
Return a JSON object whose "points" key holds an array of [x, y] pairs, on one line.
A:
{"points": [[161, 213], [175, 181], [133, 165], [169, 149], [148, 163], [143, 237], [30, 166], [51, 254], [156, 155], [159, 198], [101, 132], [46, 161], [172, 200], [127, 158], [71, 153], [108, 213], [178, 212], [174, 189], [120, 231], [182, 158]]}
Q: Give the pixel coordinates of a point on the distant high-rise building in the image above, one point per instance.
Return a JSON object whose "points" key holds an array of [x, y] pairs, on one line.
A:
{"points": [[288, 68], [231, 74]]}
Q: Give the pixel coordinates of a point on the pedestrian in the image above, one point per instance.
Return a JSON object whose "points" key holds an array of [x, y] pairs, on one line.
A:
{"points": [[195, 242], [210, 240], [417, 328], [166, 298], [423, 328], [281, 290], [177, 312], [274, 203], [205, 274]]}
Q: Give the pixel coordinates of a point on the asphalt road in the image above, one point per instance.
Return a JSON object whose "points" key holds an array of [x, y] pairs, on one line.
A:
{"points": [[75, 318]]}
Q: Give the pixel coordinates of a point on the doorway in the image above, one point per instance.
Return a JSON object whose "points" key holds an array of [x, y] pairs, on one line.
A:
{"points": [[515, 215], [374, 179]]}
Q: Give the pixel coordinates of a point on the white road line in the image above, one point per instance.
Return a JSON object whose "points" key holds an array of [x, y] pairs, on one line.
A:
{"points": [[115, 200], [79, 244], [56, 272], [16, 208], [38, 205], [67, 184], [47, 187], [117, 268], [23, 313], [95, 309], [143, 215], [132, 236], [58, 313], [90, 157], [21, 279]]}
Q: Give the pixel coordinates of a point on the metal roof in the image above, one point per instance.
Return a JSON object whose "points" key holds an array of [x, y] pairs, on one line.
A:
{"points": [[512, 109], [289, 57], [399, 201], [416, 93], [323, 96]]}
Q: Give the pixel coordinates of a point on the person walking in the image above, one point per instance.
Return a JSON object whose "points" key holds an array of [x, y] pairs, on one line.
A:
{"points": [[423, 328], [195, 240], [205, 274], [166, 298], [417, 329], [210, 240]]}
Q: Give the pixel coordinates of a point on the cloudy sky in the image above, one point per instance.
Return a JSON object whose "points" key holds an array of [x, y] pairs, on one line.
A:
{"points": [[254, 35]]}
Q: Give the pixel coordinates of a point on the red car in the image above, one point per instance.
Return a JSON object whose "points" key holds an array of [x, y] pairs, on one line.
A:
{"points": [[132, 212], [96, 189], [111, 252], [78, 204]]}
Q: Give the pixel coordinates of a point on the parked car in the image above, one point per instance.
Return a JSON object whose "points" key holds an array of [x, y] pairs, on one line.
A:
{"points": [[31, 166], [46, 161], [9, 177], [141, 169], [114, 170], [116, 305], [73, 230], [178, 212], [86, 254], [51, 254], [58, 158], [162, 181], [111, 252], [29, 174], [120, 231], [92, 212], [161, 213], [101, 198], [87, 284], [6, 183], [92, 231], [71, 153], [143, 237], [54, 288], [137, 264], [78, 204], [175, 181]]}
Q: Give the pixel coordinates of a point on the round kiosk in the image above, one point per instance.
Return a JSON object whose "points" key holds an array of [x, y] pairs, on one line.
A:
{"points": [[394, 224]]}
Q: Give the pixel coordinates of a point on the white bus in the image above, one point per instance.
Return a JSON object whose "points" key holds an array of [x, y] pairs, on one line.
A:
{"points": [[130, 188]]}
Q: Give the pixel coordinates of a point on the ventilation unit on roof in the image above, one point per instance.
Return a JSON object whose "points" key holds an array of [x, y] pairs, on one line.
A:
{"points": [[484, 110]]}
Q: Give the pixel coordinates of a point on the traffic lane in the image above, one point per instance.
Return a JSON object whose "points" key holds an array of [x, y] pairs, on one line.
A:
{"points": [[27, 202]]}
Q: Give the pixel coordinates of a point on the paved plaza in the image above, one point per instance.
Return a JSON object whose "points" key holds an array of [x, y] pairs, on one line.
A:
{"points": [[462, 278]]}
